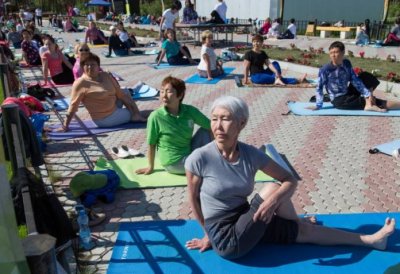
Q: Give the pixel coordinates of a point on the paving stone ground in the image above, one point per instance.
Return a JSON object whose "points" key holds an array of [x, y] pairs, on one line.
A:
{"points": [[330, 154]]}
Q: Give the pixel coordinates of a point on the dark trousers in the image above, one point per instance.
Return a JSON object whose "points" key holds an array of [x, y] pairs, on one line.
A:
{"points": [[64, 78], [353, 100]]}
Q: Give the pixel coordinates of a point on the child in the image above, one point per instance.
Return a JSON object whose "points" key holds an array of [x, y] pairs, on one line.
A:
{"points": [[209, 67], [170, 129], [335, 77]]}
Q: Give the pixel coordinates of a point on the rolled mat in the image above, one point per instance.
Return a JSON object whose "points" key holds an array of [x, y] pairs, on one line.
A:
{"points": [[159, 247], [300, 108], [387, 148]]}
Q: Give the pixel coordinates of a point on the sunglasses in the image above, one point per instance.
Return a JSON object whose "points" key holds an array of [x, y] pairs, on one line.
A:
{"points": [[84, 50]]}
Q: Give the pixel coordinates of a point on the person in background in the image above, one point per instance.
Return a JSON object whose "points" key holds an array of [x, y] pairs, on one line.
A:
{"points": [[290, 32], [115, 44], [38, 14], [361, 36], [189, 14], [169, 17], [275, 29], [393, 38], [69, 26], [82, 51], [30, 50], [209, 67], [14, 37], [221, 8], [254, 61], [94, 35], [123, 35], [57, 64], [174, 51], [265, 27]]}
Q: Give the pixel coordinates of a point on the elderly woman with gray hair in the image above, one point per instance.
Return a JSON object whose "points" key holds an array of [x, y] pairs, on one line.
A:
{"points": [[220, 179]]}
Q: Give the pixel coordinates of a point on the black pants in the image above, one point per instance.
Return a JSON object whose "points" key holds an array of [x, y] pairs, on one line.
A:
{"points": [[353, 100], [64, 78], [179, 58], [39, 21]]}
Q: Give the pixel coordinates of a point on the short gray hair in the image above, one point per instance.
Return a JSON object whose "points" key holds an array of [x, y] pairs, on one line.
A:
{"points": [[236, 106]]}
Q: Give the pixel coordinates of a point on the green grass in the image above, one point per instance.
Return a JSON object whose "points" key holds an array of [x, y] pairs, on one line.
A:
{"points": [[318, 60]]}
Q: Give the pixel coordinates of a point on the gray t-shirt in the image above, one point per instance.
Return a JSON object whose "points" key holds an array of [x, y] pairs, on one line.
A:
{"points": [[225, 185]]}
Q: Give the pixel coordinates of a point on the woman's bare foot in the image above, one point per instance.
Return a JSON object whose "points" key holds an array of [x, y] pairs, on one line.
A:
{"points": [[303, 79], [374, 108], [279, 82], [378, 240]]}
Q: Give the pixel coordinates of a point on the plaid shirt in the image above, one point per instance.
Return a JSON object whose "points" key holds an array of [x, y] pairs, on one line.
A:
{"points": [[336, 80]]}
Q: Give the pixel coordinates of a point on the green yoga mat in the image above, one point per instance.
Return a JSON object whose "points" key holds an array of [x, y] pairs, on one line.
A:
{"points": [[125, 169]]}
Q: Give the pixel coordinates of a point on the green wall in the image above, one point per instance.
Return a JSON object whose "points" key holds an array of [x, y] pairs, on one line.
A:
{"points": [[334, 10]]}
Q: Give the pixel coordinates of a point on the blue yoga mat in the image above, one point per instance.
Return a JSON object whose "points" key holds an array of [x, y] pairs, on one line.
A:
{"points": [[143, 92], [299, 108], [196, 79], [386, 148], [159, 247], [166, 66]]}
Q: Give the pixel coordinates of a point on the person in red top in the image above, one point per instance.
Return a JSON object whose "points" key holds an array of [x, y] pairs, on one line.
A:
{"points": [[57, 64], [94, 35], [265, 27]]}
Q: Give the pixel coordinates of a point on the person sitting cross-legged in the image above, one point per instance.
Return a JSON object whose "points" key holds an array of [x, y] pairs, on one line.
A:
{"points": [[170, 129], [254, 61], [335, 78], [220, 179]]}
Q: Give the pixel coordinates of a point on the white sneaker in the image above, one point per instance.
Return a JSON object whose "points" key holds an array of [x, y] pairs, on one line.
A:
{"points": [[120, 152], [131, 151]]}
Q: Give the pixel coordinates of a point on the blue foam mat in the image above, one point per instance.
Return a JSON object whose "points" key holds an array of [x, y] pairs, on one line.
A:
{"points": [[196, 79], [159, 247], [299, 108], [62, 103], [166, 65], [387, 148]]}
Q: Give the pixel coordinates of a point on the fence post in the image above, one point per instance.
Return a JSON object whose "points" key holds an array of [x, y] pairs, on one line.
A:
{"points": [[13, 133], [4, 80]]}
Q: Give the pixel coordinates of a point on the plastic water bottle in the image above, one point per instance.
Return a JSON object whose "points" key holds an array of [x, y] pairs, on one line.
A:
{"points": [[84, 230], [24, 89]]}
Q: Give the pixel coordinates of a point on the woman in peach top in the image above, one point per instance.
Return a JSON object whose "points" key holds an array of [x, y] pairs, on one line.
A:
{"points": [[99, 92]]}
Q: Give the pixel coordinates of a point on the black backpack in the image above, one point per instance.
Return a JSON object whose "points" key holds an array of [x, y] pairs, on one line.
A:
{"points": [[41, 93], [50, 217]]}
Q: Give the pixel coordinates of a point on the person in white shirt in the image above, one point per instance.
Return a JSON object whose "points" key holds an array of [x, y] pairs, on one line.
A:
{"points": [[273, 32], [38, 14], [209, 66], [169, 17], [28, 16], [290, 32], [221, 8]]}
